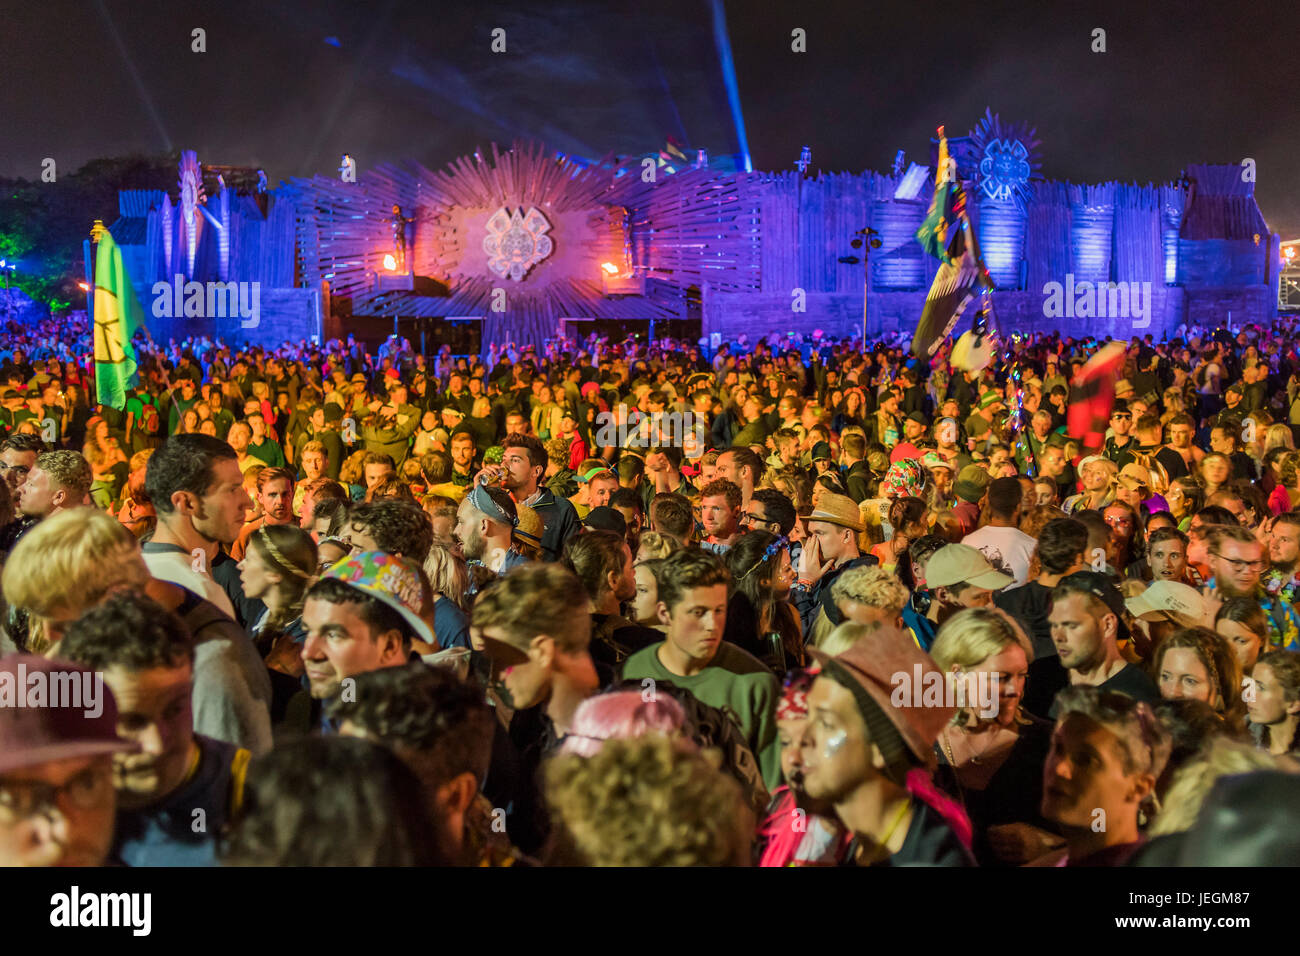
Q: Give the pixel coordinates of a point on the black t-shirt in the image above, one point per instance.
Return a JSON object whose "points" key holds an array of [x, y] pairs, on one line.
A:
{"points": [[1131, 680], [1172, 462], [1014, 793], [929, 842], [1030, 605]]}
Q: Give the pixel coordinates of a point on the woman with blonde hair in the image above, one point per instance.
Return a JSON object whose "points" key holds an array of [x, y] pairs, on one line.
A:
{"points": [[449, 580], [991, 755]]}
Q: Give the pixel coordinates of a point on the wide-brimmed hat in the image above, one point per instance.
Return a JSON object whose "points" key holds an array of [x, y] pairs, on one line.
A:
{"points": [[1133, 476], [879, 665], [838, 510], [56, 729], [530, 527]]}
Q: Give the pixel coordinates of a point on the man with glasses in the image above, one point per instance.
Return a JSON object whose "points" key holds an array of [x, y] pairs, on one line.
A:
{"points": [[768, 510], [56, 770], [1236, 560], [18, 455]]}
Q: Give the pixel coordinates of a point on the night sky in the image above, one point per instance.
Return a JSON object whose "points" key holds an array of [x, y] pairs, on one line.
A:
{"points": [[290, 85]]}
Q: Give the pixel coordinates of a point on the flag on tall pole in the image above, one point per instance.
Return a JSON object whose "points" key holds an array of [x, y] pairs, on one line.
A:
{"points": [[946, 233], [117, 317], [1092, 396]]}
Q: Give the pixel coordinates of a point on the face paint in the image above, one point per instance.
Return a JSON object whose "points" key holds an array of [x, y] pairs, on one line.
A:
{"points": [[834, 744]]}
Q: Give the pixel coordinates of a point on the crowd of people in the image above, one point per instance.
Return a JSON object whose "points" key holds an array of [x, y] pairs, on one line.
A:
{"points": [[798, 602]]}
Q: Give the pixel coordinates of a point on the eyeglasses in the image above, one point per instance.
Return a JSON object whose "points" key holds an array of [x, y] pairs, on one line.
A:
{"points": [[22, 800], [747, 519], [1238, 565]]}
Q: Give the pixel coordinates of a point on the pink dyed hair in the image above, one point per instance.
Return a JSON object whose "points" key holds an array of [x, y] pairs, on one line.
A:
{"points": [[621, 715]]}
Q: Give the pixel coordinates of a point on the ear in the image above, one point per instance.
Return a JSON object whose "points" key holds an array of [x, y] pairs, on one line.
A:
{"points": [[1143, 785], [390, 645], [456, 795], [542, 650], [661, 611]]}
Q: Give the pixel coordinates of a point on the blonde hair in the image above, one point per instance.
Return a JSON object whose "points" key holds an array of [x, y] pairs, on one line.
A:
{"points": [[975, 635], [648, 801], [447, 574], [843, 637], [70, 561], [656, 544], [872, 586], [1193, 781]]}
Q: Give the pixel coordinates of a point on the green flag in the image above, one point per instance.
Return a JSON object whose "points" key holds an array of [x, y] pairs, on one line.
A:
{"points": [[117, 317]]}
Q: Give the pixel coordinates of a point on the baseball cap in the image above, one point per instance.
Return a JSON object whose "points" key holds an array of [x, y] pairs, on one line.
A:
{"points": [[592, 473], [972, 481], [932, 460], [605, 518], [918, 417], [990, 398], [821, 451], [389, 579], [1169, 600], [960, 563], [1099, 586], [33, 735]]}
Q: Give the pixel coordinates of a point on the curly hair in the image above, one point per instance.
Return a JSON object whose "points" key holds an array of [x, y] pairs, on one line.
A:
{"points": [[441, 726], [332, 801], [872, 586], [722, 488], [69, 470], [397, 525], [648, 801], [128, 630]]}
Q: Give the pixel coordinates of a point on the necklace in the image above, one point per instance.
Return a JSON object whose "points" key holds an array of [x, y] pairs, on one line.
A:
{"points": [[882, 845]]}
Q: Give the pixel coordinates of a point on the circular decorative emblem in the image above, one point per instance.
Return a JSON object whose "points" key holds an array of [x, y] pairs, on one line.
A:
{"points": [[1004, 170], [516, 242]]}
